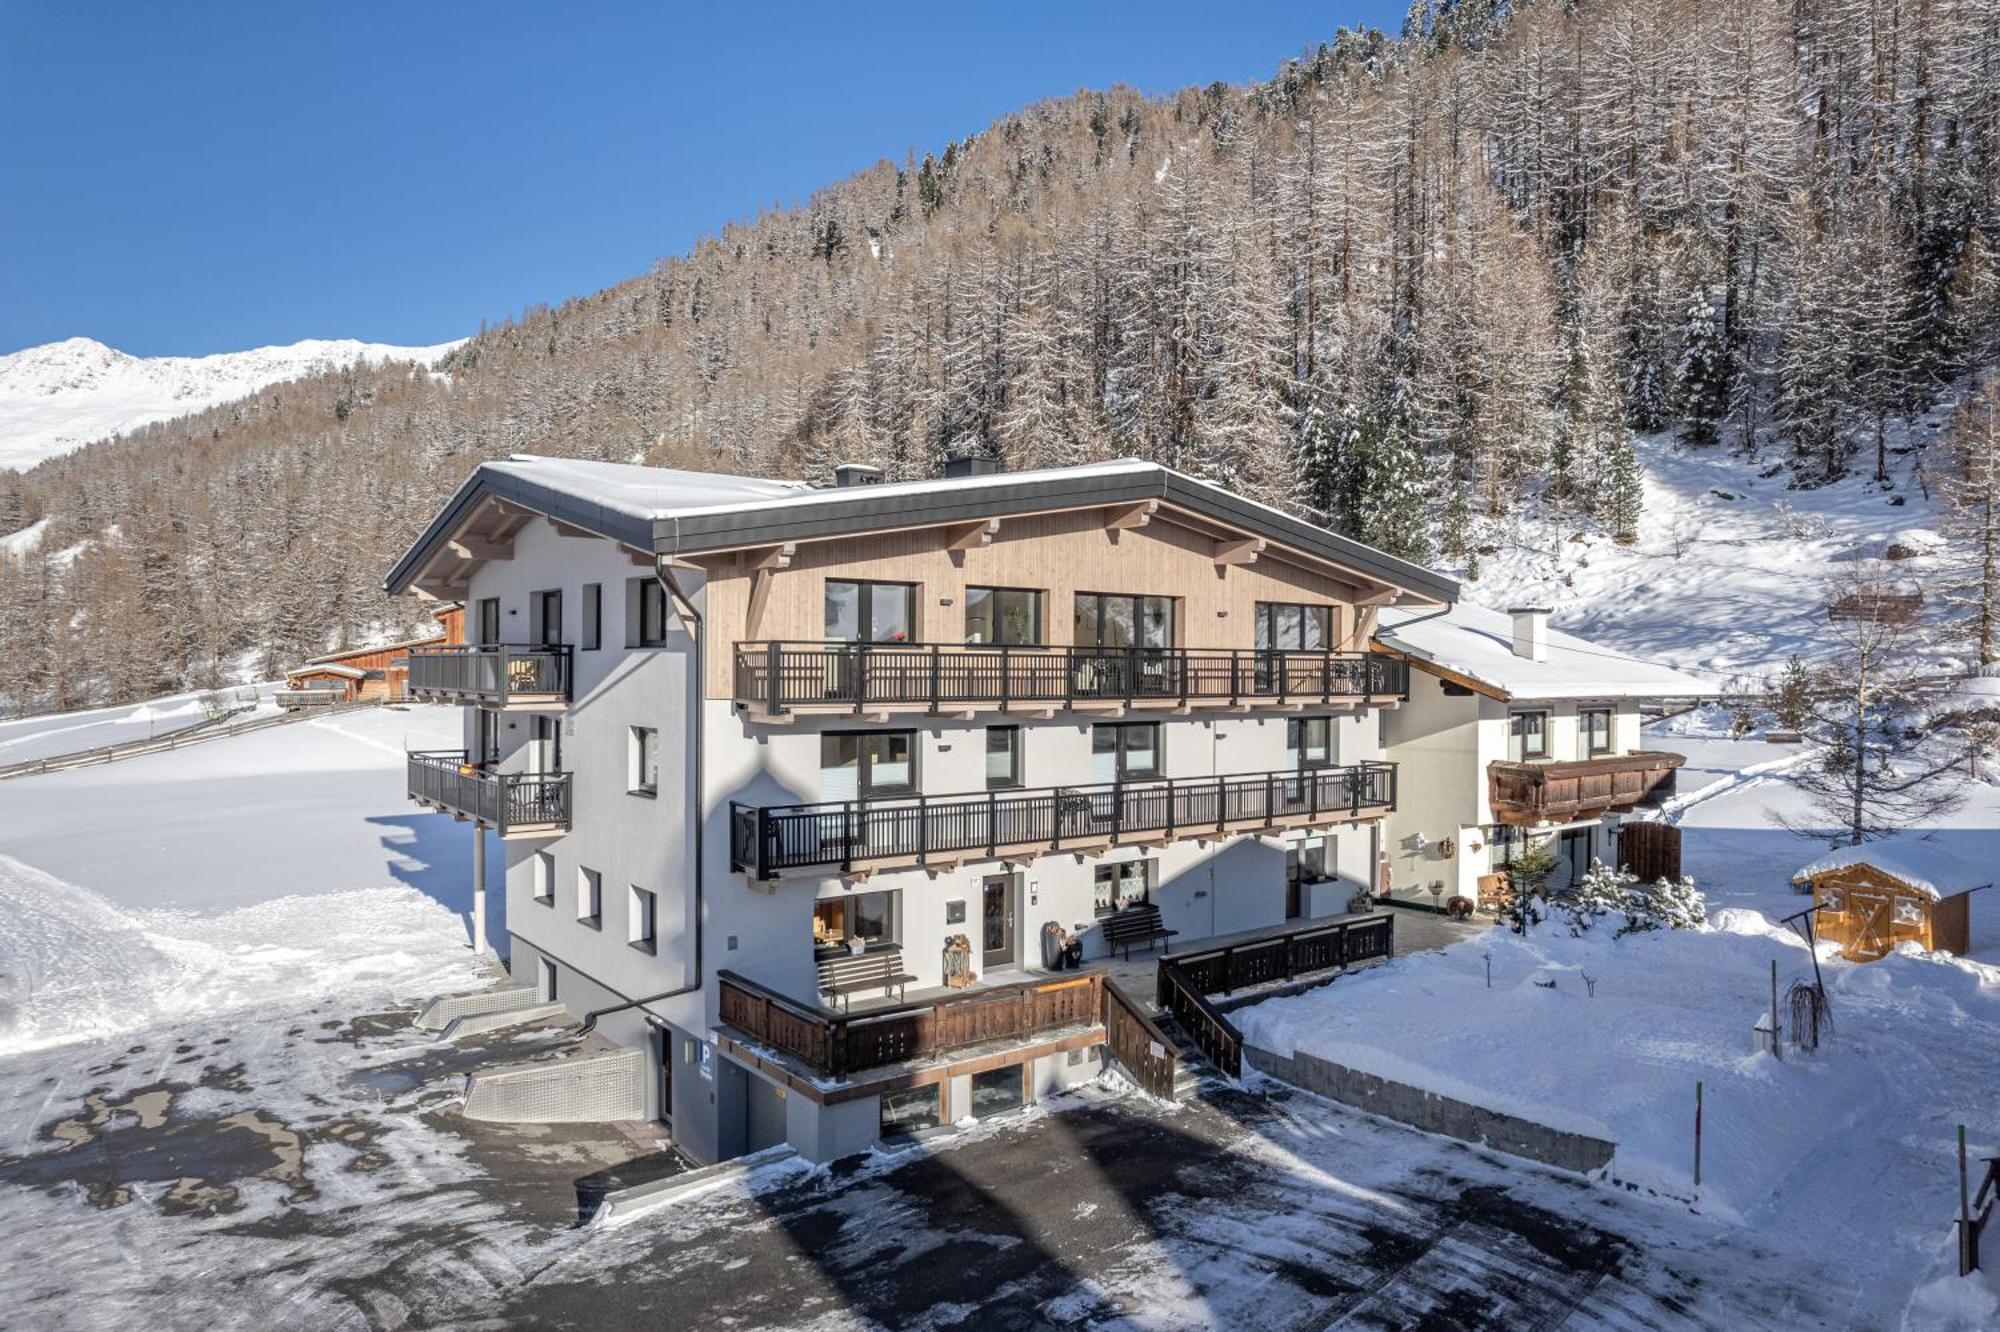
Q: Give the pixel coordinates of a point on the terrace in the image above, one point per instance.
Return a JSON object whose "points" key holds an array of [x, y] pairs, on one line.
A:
{"points": [[514, 804], [491, 675], [1529, 794]]}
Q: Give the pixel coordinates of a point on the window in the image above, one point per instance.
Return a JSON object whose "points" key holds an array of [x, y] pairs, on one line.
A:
{"points": [[546, 615], [1593, 732], [1002, 615], [862, 612], [1285, 626], [593, 616], [861, 764], [1112, 621], [1504, 841], [644, 778], [639, 919], [1835, 902], [869, 917], [489, 620], [911, 1109], [545, 877], [1125, 751], [1908, 911], [589, 895], [646, 607], [1309, 859], [1115, 887], [1309, 741], [1003, 756], [1527, 736], [489, 738], [998, 1090]]}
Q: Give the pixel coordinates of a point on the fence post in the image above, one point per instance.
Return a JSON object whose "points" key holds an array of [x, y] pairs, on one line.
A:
{"points": [[1968, 1243], [1006, 678], [1697, 1134], [774, 659]]}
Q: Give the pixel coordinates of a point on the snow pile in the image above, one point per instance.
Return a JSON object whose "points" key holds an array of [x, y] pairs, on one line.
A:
{"points": [[63, 395]]}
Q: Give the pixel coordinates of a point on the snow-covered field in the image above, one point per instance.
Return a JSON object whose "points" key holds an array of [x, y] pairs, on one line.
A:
{"points": [[58, 734], [1729, 575], [63, 395], [1850, 1150], [286, 862]]}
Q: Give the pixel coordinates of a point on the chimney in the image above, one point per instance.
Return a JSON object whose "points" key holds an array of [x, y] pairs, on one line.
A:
{"points": [[970, 464], [1531, 632], [856, 474]]}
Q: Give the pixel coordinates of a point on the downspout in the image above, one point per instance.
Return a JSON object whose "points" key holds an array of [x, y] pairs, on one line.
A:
{"points": [[663, 572]]}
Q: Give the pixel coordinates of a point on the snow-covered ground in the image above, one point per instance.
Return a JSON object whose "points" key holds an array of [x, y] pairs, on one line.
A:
{"points": [[286, 862], [1850, 1150], [63, 395], [1729, 575], [57, 734]]}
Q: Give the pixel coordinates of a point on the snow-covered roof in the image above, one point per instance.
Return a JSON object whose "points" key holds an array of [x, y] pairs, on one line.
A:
{"points": [[687, 514], [327, 668], [642, 492], [1918, 861], [1476, 642]]}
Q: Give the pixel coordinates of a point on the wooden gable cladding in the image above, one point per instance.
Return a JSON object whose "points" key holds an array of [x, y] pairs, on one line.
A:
{"points": [[1217, 577]]}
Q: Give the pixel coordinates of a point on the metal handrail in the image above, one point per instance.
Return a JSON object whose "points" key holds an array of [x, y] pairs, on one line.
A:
{"points": [[504, 800], [491, 672], [778, 675], [766, 839]]}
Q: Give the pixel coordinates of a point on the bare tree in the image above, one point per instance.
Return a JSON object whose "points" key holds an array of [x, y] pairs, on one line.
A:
{"points": [[1879, 770]]}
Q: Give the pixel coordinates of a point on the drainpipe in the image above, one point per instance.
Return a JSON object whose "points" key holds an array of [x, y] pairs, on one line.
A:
{"points": [[664, 573]]}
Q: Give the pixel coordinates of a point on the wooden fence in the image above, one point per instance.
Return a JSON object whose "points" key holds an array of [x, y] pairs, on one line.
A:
{"points": [[1650, 850]]}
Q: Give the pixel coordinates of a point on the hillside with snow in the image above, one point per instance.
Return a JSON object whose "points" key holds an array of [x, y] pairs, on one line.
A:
{"points": [[63, 395], [1730, 572]]}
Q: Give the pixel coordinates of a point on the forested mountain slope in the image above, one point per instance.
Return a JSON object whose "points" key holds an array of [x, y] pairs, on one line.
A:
{"points": [[1424, 289]]}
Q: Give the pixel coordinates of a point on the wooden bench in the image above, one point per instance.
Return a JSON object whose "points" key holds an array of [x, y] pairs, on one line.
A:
{"points": [[843, 974], [1137, 924]]}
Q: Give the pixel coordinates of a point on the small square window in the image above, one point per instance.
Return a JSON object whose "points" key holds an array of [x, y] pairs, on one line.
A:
{"points": [[644, 777], [589, 895], [640, 920]]}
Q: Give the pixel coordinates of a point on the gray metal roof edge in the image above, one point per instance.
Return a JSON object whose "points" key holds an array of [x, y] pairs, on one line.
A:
{"points": [[871, 508], [543, 499]]}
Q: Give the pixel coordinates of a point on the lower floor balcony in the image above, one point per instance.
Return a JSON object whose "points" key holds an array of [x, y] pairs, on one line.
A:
{"points": [[1527, 795], [862, 836], [514, 804]]}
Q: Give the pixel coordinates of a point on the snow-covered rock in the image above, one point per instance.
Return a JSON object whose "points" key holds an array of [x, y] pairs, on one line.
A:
{"points": [[63, 395]]}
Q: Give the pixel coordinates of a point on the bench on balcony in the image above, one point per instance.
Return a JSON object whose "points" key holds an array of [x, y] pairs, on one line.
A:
{"points": [[845, 974], [1136, 924]]}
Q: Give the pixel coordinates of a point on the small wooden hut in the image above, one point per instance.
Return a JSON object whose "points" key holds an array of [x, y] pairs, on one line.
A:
{"points": [[1871, 897]]}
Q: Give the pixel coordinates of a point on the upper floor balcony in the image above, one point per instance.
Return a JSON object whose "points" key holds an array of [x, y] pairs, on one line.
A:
{"points": [[775, 680], [492, 675], [1529, 794], [863, 836], [514, 804]]}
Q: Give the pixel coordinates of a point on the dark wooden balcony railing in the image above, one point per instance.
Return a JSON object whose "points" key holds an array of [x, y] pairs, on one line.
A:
{"points": [[775, 678], [837, 1044], [491, 674], [509, 802], [1187, 979], [1526, 794], [766, 840]]}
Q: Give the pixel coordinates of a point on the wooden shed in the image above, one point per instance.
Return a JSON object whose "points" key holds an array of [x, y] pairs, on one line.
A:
{"points": [[1875, 896], [366, 674]]}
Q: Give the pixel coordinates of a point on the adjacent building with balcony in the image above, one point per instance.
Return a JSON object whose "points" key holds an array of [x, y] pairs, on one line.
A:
{"points": [[1514, 731], [801, 789]]}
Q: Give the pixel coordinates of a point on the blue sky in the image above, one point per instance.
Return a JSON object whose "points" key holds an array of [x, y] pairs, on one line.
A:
{"points": [[183, 179]]}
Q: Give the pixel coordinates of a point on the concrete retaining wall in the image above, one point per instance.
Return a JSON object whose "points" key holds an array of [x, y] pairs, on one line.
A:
{"points": [[1434, 1113], [587, 1089]]}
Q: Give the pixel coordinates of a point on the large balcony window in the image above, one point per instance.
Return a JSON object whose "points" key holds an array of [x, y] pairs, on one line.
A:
{"points": [[1289, 627], [1106, 620], [867, 764], [1009, 615], [1125, 751], [865, 612]]}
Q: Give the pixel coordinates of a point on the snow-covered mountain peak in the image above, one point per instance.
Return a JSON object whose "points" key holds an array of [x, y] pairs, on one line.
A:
{"points": [[62, 395]]}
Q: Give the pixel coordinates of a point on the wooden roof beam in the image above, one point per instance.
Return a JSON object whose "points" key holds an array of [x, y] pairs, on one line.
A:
{"points": [[471, 548], [1124, 517], [766, 559], [965, 536], [1241, 550]]}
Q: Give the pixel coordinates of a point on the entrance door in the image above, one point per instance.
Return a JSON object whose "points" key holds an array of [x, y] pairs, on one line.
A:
{"points": [[996, 916], [1294, 891], [666, 1077], [1872, 937], [548, 745], [548, 618], [1572, 857]]}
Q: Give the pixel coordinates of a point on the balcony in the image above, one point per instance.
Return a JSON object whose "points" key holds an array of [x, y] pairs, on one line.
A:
{"points": [[491, 675], [836, 1045], [766, 841], [515, 804], [775, 680], [1529, 794]]}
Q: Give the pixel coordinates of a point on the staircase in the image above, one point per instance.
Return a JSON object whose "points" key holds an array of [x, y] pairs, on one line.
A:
{"points": [[1191, 1066]]}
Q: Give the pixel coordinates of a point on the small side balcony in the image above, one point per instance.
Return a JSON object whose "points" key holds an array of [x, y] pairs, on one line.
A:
{"points": [[514, 804], [845, 837], [1530, 794], [777, 680], [519, 676]]}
